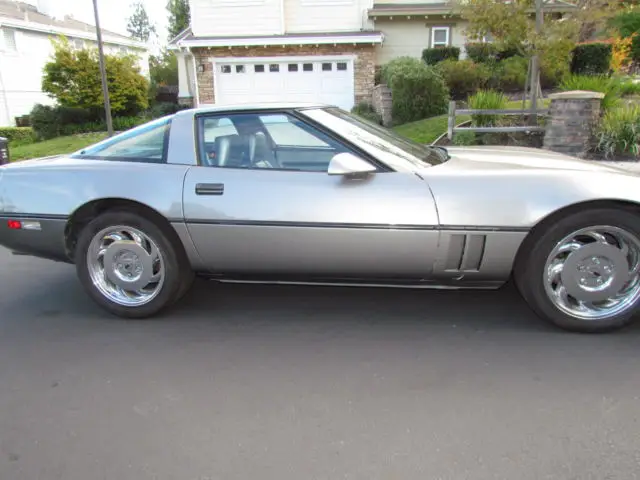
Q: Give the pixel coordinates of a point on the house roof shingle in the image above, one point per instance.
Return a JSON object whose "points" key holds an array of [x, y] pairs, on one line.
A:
{"points": [[29, 13], [386, 9]]}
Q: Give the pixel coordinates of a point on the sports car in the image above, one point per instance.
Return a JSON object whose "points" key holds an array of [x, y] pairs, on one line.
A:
{"points": [[311, 194]]}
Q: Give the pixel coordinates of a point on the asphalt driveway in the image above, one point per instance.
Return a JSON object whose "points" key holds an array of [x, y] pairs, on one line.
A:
{"points": [[256, 382]]}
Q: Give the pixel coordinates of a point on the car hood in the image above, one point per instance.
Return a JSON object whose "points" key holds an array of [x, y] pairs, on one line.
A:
{"points": [[518, 158]]}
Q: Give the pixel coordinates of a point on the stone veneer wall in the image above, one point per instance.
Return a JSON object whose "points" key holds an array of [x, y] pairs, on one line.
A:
{"points": [[382, 103], [572, 117], [364, 64]]}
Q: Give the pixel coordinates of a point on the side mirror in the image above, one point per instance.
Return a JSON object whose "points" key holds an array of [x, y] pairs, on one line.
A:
{"points": [[348, 164]]}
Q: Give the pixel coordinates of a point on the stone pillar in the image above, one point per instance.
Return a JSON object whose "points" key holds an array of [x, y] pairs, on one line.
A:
{"points": [[382, 103], [572, 117]]}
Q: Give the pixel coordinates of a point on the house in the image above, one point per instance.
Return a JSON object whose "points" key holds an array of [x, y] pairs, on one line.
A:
{"points": [[25, 47], [411, 26], [306, 50]]}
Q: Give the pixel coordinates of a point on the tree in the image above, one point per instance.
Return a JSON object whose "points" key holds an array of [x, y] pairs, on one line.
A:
{"points": [[179, 16], [139, 25], [72, 77], [512, 25], [163, 68]]}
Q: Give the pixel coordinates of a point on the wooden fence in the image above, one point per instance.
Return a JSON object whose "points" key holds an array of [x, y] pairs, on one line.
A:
{"points": [[451, 127]]}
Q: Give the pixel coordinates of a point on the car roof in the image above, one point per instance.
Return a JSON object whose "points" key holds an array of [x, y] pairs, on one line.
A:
{"points": [[255, 106]]}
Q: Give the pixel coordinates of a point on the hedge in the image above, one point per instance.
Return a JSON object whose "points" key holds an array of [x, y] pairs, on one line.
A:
{"points": [[464, 77], [18, 135], [49, 122], [418, 90], [591, 59], [431, 56]]}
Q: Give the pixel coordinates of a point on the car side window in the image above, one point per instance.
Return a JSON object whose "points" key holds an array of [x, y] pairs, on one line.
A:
{"points": [[277, 141], [217, 127], [146, 143], [286, 133]]}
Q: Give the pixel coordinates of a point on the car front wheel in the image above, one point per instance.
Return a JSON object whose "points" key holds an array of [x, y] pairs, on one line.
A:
{"points": [[129, 265], [583, 272]]}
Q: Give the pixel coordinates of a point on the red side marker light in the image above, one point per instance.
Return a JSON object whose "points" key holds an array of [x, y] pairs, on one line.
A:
{"points": [[14, 224]]}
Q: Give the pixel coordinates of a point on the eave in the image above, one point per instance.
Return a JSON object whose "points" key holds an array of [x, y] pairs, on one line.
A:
{"points": [[341, 38]]}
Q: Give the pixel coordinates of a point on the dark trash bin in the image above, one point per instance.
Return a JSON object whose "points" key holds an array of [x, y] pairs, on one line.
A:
{"points": [[4, 151]]}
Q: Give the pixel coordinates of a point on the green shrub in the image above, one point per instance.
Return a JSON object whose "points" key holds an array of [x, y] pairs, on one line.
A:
{"points": [[555, 59], [365, 110], [595, 83], [464, 139], [377, 76], [44, 121], [627, 23], [619, 132], [49, 122], [512, 73], [591, 59], [629, 88], [163, 109], [18, 135], [418, 90], [481, 52], [464, 77], [487, 100], [72, 77], [119, 124], [431, 56]]}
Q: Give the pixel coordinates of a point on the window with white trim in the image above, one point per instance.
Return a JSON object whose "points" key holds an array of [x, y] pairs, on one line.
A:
{"points": [[9, 40], [440, 36]]}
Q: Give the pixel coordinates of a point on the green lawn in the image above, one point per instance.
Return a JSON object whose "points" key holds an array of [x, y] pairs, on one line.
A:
{"points": [[427, 130], [55, 146]]}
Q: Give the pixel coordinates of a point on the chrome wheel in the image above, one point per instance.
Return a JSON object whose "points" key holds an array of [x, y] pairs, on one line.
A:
{"points": [[126, 266], [594, 273]]}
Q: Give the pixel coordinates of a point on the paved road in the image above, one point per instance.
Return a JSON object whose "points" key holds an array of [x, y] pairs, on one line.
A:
{"points": [[253, 382]]}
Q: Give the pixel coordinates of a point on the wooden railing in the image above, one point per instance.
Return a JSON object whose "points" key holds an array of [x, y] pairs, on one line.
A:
{"points": [[452, 128]]}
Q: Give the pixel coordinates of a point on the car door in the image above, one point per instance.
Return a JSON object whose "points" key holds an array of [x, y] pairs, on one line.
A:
{"points": [[288, 217]]}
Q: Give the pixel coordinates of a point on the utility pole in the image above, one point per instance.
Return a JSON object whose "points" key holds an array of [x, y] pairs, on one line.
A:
{"points": [[535, 65], [103, 72]]}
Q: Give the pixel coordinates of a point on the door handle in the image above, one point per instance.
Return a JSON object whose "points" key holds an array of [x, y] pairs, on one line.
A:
{"points": [[209, 188]]}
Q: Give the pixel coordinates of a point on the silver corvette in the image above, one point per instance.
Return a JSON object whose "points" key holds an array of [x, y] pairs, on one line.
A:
{"points": [[311, 194]]}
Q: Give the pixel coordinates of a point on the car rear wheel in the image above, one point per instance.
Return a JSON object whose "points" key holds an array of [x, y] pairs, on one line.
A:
{"points": [[583, 273], [129, 265]]}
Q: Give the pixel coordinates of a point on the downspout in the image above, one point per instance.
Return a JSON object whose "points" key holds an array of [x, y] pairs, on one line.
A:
{"points": [[196, 93]]}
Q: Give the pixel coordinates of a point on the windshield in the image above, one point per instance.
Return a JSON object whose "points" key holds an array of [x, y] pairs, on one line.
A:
{"points": [[370, 136]]}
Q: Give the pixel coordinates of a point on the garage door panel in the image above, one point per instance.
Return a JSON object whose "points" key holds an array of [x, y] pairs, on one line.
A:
{"points": [[300, 79]]}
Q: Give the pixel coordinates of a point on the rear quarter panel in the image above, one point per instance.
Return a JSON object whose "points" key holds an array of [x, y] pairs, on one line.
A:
{"points": [[58, 187]]}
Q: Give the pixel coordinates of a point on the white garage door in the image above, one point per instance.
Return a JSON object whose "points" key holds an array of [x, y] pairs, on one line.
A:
{"points": [[294, 79]]}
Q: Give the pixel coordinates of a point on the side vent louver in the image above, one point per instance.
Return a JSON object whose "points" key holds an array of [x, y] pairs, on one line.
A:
{"points": [[465, 252]]}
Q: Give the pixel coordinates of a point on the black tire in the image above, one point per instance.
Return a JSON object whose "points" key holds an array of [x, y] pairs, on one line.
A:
{"points": [[178, 273], [528, 273]]}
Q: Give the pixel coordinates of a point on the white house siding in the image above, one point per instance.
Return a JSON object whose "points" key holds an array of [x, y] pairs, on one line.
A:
{"points": [[21, 72], [404, 37], [401, 38], [236, 17], [325, 15], [458, 36]]}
